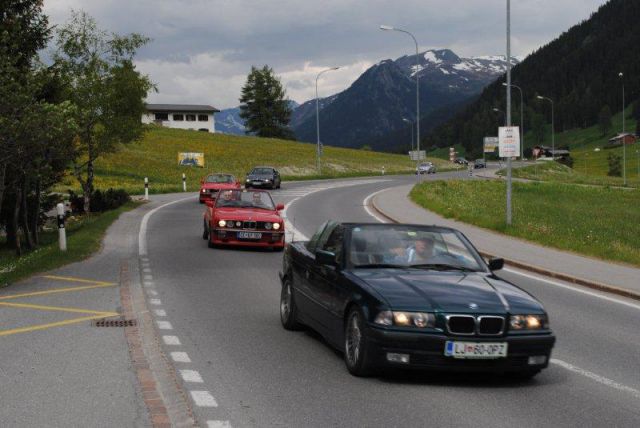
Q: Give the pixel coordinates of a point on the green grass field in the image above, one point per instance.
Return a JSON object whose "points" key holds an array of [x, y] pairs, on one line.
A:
{"points": [[156, 157], [558, 173], [601, 222], [84, 237]]}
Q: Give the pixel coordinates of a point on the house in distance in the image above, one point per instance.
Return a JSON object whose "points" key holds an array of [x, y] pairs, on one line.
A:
{"points": [[182, 116]]}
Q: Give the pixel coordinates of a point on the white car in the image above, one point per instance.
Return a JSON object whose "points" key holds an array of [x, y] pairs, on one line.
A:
{"points": [[426, 168]]}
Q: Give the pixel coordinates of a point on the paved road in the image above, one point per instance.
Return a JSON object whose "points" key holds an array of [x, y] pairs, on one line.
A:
{"points": [[222, 308]]}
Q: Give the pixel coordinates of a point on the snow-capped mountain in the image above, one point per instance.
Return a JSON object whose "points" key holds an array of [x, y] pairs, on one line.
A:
{"points": [[371, 111], [228, 121]]}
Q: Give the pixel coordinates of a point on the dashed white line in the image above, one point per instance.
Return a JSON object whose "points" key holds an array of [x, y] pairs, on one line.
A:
{"points": [[146, 269], [203, 399], [171, 340], [155, 302], [180, 357], [165, 325], [148, 278], [191, 376], [148, 284], [160, 312], [218, 424], [600, 379], [152, 292]]}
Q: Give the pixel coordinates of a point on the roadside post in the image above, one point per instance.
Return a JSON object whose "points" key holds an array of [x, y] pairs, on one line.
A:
{"points": [[184, 182], [62, 233], [146, 189], [470, 171], [382, 169]]}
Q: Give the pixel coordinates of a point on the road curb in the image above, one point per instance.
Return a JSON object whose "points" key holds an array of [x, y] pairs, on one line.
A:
{"points": [[523, 266]]}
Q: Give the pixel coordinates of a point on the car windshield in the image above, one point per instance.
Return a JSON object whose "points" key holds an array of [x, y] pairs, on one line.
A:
{"points": [[245, 199], [412, 247], [220, 178], [262, 171]]}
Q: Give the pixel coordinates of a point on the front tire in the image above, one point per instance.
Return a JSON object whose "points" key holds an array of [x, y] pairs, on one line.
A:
{"points": [[356, 345], [288, 308], [205, 232]]}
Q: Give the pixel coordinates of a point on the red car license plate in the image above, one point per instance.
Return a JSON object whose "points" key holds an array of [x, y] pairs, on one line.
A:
{"points": [[249, 235]]}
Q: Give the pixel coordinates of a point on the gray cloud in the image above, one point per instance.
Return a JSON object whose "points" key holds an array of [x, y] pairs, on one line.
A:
{"points": [[202, 50]]}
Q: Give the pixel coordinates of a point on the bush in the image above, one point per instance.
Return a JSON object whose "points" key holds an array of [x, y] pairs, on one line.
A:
{"points": [[100, 201], [615, 166]]}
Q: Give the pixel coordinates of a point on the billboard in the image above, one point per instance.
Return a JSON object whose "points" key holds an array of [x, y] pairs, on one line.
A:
{"points": [[416, 155], [191, 159], [509, 144], [490, 144]]}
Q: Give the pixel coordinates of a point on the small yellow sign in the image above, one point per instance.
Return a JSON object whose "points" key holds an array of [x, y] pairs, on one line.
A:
{"points": [[191, 159]]}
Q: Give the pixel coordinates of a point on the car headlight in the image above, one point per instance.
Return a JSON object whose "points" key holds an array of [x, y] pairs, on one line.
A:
{"points": [[238, 223], [267, 226], [230, 224], [406, 319], [529, 322], [248, 180], [204, 190], [222, 223], [276, 226]]}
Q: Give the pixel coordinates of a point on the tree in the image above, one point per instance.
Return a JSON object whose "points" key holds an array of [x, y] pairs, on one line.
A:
{"points": [[538, 128], [105, 89], [264, 105], [615, 165], [604, 120]]}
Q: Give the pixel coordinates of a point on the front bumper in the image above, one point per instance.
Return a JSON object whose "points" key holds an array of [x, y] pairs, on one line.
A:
{"points": [[426, 351], [230, 237], [259, 183]]}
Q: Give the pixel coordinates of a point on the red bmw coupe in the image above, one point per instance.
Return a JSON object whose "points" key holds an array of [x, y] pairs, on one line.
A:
{"points": [[246, 218], [213, 183]]}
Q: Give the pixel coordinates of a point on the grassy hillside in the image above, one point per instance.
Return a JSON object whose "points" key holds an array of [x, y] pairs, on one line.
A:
{"points": [[596, 221], [156, 157], [556, 172]]}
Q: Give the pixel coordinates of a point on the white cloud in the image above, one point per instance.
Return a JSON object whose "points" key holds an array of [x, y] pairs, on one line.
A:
{"points": [[203, 49]]}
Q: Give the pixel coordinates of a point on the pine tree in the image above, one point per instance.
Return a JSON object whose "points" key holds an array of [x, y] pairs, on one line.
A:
{"points": [[264, 105], [604, 120]]}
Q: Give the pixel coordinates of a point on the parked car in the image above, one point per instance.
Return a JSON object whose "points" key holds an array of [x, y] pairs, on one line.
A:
{"points": [[426, 168], [245, 218], [263, 176], [479, 163], [461, 161], [213, 183], [411, 296]]}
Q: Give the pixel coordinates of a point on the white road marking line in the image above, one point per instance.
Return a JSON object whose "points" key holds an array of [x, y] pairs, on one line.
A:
{"points": [[600, 379], [573, 288], [218, 424], [180, 357], [152, 292], [203, 399], [164, 325], [191, 376], [148, 278], [142, 235], [148, 284], [146, 270], [160, 312], [171, 340], [365, 203], [155, 301]]}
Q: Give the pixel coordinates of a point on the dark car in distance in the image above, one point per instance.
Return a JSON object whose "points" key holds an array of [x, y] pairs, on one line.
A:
{"points": [[263, 176], [479, 163], [411, 296], [461, 161]]}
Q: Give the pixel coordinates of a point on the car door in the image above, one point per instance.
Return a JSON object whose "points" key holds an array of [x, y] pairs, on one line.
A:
{"points": [[325, 277]]}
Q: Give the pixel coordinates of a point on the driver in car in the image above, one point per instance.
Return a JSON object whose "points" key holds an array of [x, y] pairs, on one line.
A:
{"points": [[422, 251]]}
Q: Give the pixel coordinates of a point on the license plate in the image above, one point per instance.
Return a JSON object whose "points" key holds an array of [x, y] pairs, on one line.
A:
{"points": [[475, 350], [249, 235], [257, 183]]}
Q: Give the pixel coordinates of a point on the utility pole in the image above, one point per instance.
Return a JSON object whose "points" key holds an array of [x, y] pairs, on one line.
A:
{"points": [[624, 145], [509, 216]]}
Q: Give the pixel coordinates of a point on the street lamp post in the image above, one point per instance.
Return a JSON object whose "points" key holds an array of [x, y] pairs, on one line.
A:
{"points": [[624, 145], [318, 119], [553, 131], [497, 110], [508, 120], [389, 28], [521, 119], [410, 126]]}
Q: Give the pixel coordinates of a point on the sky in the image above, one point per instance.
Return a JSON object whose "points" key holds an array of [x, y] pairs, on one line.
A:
{"points": [[202, 50]]}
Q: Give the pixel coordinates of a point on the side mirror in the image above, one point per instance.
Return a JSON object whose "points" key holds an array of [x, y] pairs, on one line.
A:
{"points": [[209, 203], [326, 258], [279, 207], [496, 264]]}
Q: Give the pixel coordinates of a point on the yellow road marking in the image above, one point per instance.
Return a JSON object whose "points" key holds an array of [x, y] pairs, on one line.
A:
{"points": [[72, 279], [56, 308], [53, 324], [56, 290]]}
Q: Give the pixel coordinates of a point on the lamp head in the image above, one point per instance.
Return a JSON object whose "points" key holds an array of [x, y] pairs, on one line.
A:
{"points": [[386, 27], [540, 97], [621, 74]]}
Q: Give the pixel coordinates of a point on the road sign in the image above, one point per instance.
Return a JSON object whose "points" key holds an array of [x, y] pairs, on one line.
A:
{"points": [[509, 141], [417, 155], [490, 144]]}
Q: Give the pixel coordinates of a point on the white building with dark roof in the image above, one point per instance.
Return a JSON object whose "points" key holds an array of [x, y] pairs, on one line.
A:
{"points": [[182, 116]]}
